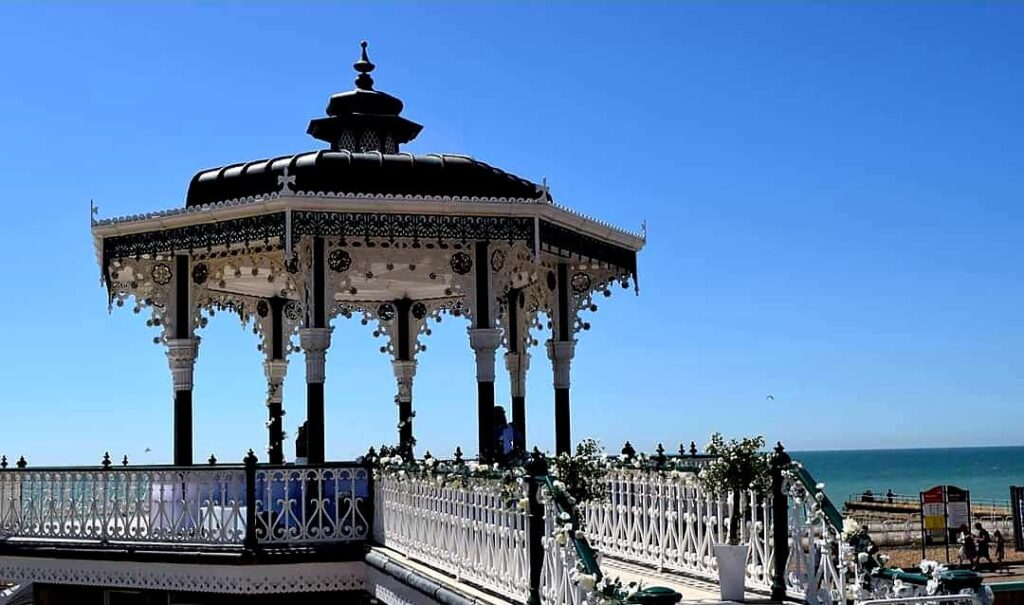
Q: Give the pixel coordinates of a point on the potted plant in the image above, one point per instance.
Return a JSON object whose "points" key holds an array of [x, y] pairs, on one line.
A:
{"points": [[738, 466]]}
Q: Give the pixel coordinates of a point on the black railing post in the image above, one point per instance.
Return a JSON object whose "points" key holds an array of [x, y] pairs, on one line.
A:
{"points": [[250, 501], [536, 470], [780, 523]]}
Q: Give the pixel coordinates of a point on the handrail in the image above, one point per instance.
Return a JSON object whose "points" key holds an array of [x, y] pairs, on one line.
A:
{"points": [[835, 518]]}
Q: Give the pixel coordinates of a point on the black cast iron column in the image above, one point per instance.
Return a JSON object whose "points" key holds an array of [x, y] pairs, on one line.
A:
{"points": [[315, 340], [561, 349], [517, 362], [405, 370], [484, 340], [182, 349], [780, 462], [275, 367]]}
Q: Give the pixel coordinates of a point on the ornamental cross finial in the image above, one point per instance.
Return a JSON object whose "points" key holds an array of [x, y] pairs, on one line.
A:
{"points": [[106, 460], [285, 181], [94, 211], [545, 191]]}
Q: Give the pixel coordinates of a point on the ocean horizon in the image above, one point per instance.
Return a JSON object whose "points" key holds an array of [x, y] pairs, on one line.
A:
{"points": [[988, 472]]}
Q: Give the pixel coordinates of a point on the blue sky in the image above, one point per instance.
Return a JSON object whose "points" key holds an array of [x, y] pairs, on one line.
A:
{"points": [[833, 195]]}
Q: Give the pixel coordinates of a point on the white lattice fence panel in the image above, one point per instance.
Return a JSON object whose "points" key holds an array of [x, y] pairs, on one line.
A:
{"points": [[473, 533]]}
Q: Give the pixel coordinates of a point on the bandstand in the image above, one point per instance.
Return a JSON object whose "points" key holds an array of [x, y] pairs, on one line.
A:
{"points": [[361, 230]]}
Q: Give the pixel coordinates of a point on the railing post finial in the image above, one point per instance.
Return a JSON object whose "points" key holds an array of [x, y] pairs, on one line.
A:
{"points": [[693, 448], [124, 461], [3, 462], [106, 461], [22, 463], [682, 449], [659, 458], [458, 455], [628, 450], [537, 465], [213, 459]]}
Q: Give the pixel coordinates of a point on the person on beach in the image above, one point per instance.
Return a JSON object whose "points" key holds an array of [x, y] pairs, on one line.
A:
{"points": [[1000, 548], [889, 496], [868, 496], [984, 539], [967, 551]]}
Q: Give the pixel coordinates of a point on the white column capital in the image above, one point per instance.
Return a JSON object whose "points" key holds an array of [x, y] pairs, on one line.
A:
{"points": [[315, 342], [275, 370], [484, 339], [181, 357], [484, 342], [404, 371], [517, 364], [561, 352]]}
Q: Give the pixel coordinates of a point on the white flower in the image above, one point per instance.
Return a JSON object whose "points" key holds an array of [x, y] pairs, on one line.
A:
{"points": [[862, 557], [850, 526], [820, 486], [586, 581], [560, 538], [524, 503], [563, 516]]}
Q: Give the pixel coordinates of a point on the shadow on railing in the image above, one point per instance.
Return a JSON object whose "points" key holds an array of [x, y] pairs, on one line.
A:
{"points": [[218, 505]]}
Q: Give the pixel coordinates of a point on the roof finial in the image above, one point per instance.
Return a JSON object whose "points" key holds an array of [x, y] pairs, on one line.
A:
{"points": [[364, 67]]}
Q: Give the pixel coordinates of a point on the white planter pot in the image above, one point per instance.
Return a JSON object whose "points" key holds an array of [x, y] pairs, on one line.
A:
{"points": [[732, 564]]}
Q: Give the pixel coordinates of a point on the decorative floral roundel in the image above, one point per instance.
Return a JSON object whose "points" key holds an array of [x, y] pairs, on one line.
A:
{"points": [[262, 308], [386, 311], [200, 272], [497, 260], [461, 263], [580, 282], [161, 274], [339, 261], [292, 311], [419, 310]]}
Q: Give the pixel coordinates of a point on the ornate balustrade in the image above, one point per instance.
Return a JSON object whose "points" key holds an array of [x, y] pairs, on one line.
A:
{"points": [[330, 503], [666, 521], [216, 505], [477, 533]]}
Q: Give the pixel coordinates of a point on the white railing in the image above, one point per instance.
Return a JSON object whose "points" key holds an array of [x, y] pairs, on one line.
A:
{"points": [[814, 571], [474, 533], [312, 504], [558, 584], [202, 505], [668, 523]]}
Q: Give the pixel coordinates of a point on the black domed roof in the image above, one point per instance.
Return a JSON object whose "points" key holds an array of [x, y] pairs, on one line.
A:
{"points": [[344, 172], [364, 129]]}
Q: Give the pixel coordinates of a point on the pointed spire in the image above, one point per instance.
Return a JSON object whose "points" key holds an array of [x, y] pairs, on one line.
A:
{"points": [[364, 67]]}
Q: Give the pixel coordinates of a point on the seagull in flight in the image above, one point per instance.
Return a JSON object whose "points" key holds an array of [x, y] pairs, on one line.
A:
{"points": [[770, 398], [148, 450]]}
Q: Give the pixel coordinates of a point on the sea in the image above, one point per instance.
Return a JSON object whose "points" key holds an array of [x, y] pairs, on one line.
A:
{"points": [[988, 472]]}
